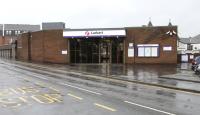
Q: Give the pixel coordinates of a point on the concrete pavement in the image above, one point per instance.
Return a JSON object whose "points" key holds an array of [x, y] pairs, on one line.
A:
{"points": [[165, 76]]}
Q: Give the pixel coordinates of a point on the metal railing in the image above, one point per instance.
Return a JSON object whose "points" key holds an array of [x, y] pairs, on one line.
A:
{"points": [[8, 51]]}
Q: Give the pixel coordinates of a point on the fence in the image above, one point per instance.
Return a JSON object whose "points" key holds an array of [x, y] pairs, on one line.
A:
{"points": [[8, 51]]}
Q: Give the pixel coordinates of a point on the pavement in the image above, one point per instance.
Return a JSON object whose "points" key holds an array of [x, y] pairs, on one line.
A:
{"points": [[31, 88], [177, 77]]}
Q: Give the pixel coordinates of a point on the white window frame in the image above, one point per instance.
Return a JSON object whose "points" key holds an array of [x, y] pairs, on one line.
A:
{"points": [[148, 50]]}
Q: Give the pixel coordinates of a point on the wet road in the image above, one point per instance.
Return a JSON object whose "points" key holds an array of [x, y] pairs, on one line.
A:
{"points": [[25, 90]]}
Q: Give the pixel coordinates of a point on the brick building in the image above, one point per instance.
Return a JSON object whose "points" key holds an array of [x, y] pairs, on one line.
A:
{"points": [[130, 45], [9, 32]]}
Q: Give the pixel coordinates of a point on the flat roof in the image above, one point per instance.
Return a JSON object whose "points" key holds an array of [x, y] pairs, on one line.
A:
{"points": [[120, 28]]}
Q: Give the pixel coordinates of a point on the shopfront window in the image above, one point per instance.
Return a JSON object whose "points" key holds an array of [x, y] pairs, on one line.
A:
{"points": [[148, 50]]}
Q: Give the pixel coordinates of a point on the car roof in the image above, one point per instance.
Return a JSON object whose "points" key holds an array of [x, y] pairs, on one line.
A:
{"points": [[197, 57]]}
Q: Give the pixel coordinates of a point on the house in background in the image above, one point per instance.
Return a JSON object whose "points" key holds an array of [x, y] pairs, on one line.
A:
{"points": [[188, 48], [53, 26], [10, 32]]}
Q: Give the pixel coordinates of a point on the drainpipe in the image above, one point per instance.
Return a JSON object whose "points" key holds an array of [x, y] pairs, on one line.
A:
{"points": [[29, 46], [134, 46]]}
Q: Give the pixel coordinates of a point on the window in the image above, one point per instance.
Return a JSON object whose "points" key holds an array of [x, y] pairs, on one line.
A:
{"points": [[148, 50], [154, 51], [141, 51], [130, 50], [189, 47], [7, 32], [16, 32]]}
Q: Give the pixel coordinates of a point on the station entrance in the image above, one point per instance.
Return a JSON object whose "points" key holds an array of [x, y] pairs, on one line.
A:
{"points": [[96, 50]]}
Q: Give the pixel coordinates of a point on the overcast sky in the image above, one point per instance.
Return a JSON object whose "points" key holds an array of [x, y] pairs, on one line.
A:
{"points": [[105, 13]]}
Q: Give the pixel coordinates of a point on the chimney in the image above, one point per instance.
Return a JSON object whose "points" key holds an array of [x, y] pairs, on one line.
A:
{"points": [[150, 23], [170, 24]]}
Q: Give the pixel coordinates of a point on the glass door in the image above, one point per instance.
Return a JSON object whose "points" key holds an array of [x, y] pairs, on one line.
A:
{"points": [[105, 49]]}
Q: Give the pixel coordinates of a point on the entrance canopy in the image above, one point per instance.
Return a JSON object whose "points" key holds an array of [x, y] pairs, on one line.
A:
{"points": [[101, 33]]}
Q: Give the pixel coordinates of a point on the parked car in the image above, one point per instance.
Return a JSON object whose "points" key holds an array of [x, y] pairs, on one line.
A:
{"points": [[195, 63], [197, 69]]}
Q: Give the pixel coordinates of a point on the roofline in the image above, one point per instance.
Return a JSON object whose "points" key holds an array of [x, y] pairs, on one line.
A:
{"points": [[188, 43], [84, 29], [152, 26]]}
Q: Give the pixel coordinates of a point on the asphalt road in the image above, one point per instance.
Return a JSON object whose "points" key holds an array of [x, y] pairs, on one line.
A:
{"points": [[28, 91]]}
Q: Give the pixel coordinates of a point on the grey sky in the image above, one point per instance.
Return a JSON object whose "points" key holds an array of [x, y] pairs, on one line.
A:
{"points": [[105, 13]]}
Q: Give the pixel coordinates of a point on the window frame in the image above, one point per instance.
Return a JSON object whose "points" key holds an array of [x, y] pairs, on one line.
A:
{"points": [[150, 46]]}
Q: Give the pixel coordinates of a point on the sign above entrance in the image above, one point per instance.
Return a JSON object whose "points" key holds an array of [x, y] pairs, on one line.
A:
{"points": [[94, 33]]}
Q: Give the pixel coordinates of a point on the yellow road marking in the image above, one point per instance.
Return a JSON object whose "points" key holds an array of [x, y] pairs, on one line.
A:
{"points": [[13, 90], [23, 99], [105, 107], [36, 99], [74, 96], [22, 91], [54, 97], [26, 79], [41, 84]]}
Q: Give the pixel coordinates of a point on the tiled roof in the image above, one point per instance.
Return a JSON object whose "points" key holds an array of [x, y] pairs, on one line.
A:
{"points": [[192, 40]]}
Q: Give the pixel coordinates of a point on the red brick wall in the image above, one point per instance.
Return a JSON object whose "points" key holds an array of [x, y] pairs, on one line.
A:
{"points": [[37, 49], [46, 46], [54, 43], [5, 40], [1, 40], [22, 47], [152, 35]]}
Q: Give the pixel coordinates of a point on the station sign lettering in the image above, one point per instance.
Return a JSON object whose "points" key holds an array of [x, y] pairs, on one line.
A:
{"points": [[94, 33], [90, 33]]}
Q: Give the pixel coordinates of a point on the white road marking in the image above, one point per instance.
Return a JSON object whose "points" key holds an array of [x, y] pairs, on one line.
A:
{"points": [[54, 89], [41, 78], [80, 88], [150, 108], [74, 96], [105, 107]]}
